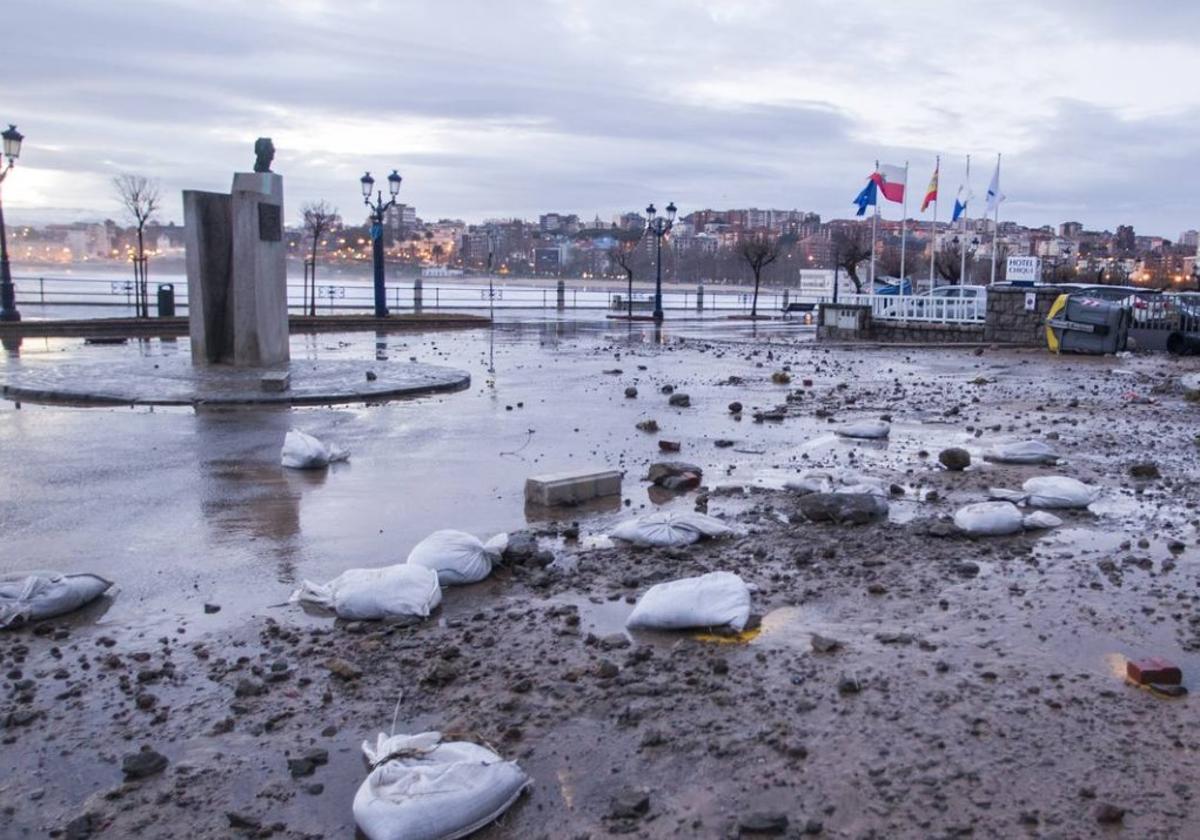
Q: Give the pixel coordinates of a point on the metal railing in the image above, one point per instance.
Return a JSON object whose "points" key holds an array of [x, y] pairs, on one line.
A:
{"points": [[402, 294], [1168, 312], [924, 308]]}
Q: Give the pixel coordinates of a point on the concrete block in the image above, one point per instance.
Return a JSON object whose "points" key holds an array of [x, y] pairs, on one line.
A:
{"points": [[276, 381], [571, 488]]}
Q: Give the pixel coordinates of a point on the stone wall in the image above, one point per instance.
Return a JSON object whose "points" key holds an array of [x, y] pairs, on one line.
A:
{"points": [[1009, 322], [921, 332]]}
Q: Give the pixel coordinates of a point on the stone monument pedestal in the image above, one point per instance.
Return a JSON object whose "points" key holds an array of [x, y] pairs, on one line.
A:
{"points": [[237, 273]]}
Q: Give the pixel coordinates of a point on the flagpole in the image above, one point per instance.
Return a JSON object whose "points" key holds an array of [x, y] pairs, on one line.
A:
{"points": [[962, 268], [903, 230], [937, 171], [996, 220], [874, 229]]}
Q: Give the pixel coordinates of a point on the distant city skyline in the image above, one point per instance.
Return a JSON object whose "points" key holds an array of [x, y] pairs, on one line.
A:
{"points": [[491, 110]]}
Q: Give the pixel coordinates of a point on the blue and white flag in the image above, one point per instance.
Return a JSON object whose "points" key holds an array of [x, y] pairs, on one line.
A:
{"points": [[961, 199], [993, 194], [866, 198]]}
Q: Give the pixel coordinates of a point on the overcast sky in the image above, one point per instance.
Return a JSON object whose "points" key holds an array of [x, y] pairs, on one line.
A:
{"points": [[496, 108]]}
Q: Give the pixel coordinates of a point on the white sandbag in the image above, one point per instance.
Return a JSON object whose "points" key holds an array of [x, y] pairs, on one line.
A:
{"points": [[402, 592], [1059, 491], [999, 494], [670, 528], [867, 429], [30, 596], [302, 451], [717, 599], [457, 558], [423, 788], [810, 481], [1023, 452], [869, 488], [1039, 520], [989, 519]]}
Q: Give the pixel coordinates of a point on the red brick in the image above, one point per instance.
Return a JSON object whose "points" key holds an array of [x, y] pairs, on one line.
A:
{"points": [[1153, 669]]}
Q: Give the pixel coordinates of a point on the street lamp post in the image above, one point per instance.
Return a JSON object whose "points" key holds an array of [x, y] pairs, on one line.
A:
{"points": [[378, 208], [659, 226], [8, 296]]}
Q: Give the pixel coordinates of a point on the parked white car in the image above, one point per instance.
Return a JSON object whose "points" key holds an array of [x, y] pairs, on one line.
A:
{"points": [[950, 303]]}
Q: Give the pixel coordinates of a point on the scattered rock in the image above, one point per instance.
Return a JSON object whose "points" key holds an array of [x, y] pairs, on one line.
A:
{"points": [[853, 508], [371, 377], [1109, 814], [648, 425], [247, 687], [1146, 470], [209, 609], [307, 764], [680, 400], [669, 445], [763, 822], [630, 392], [141, 765], [735, 407], [824, 644], [343, 669], [244, 822], [661, 471], [955, 458], [629, 804], [781, 377], [81, 827]]}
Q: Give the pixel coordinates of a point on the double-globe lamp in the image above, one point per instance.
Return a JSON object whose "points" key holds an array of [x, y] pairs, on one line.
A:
{"points": [[378, 209], [659, 226], [8, 303]]}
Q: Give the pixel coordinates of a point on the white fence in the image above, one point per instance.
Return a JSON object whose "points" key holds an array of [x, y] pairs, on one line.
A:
{"points": [[942, 310]]}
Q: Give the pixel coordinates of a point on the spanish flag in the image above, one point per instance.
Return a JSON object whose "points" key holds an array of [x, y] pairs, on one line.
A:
{"points": [[931, 193]]}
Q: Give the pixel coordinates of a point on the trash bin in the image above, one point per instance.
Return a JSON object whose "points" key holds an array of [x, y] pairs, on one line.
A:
{"points": [[166, 300], [1082, 324]]}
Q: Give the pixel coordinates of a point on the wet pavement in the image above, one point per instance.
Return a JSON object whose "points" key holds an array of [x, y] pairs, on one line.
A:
{"points": [[962, 702]]}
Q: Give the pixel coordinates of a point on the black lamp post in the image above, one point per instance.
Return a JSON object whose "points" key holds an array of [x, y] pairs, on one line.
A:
{"points": [[378, 208], [659, 226], [8, 298]]}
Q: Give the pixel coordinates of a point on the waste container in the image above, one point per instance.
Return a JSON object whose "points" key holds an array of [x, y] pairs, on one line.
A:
{"points": [[166, 300], [1082, 324]]}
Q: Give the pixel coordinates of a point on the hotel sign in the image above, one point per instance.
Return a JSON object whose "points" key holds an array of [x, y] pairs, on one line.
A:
{"points": [[1024, 270]]}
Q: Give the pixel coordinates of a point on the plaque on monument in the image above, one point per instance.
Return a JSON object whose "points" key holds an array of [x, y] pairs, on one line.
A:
{"points": [[270, 222]]}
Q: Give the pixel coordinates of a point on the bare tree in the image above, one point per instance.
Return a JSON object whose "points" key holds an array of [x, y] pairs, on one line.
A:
{"points": [[759, 252], [318, 219], [140, 197], [850, 248], [622, 254], [887, 264], [949, 262]]}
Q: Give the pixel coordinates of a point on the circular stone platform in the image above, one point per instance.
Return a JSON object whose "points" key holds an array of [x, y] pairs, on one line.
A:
{"points": [[175, 381]]}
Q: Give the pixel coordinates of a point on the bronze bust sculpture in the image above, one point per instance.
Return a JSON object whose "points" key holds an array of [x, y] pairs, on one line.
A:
{"points": [[264, 150]]}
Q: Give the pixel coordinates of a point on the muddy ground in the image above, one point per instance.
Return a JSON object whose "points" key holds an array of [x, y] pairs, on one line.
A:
{"points": [[977, 689]]}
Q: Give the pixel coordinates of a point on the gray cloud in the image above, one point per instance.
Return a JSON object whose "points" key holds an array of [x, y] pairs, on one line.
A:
{"points": [[498, 109]]}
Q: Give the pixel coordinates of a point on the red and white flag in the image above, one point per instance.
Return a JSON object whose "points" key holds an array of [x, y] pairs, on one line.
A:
{"points": [[890, 180]]}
